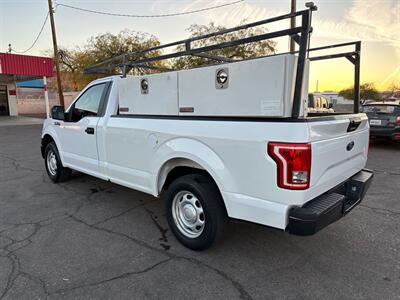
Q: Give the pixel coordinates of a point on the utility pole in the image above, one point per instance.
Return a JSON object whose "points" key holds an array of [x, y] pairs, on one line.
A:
{"points": [[56, 54], [292, 25]]}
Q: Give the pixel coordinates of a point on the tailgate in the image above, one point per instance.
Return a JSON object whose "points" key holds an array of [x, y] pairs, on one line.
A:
{"points": [[339, 147]]}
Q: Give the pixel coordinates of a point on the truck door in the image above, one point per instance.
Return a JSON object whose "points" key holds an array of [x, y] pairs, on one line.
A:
{"points": [[78, 132]]}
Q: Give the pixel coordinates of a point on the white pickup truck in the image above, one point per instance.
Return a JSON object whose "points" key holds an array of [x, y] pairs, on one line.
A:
{"points": [[225, 156]]}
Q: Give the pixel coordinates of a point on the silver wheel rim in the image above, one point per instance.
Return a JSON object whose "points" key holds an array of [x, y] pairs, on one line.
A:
{"points": [[51, 161], [188, 214]]}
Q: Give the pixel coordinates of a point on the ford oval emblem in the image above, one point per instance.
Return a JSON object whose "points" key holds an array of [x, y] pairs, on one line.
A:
{"points": [[350, 146]]}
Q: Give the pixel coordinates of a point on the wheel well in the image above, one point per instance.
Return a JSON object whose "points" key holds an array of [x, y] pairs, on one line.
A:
{"points": [[45, 141], [176, 168], [176, 171], [181, 171]]}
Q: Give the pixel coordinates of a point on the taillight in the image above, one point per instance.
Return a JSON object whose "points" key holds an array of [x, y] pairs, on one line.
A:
{"points": [[294, 164], [398, 120]]}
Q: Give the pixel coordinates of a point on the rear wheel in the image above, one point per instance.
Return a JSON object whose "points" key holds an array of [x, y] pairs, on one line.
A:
{"points": [[53, 164], [195, 211]]}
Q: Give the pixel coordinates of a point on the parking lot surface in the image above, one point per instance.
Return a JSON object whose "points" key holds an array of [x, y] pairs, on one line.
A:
{"points": [[91, 239]]}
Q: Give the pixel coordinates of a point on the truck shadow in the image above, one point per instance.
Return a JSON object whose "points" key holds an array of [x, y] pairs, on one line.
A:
{"points": [[142, 216]]}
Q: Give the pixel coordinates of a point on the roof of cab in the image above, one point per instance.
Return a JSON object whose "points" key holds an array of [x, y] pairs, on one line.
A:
{"points": [[103, 79]]}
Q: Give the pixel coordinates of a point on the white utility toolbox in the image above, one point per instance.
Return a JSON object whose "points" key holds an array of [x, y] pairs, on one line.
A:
{"points": [[155, 94], [258, 87]]}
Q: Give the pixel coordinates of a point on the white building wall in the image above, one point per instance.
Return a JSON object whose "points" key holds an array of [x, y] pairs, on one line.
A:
{"points": [[30, 101]]}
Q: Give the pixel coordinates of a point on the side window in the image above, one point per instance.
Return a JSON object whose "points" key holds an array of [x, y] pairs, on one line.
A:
{"points": [[88, 103]]}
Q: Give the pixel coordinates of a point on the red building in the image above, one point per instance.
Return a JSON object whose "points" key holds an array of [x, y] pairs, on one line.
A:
{"points": [[15, 68]]}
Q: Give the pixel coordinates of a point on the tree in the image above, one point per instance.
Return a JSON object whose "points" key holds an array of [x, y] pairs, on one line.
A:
{"points": [[99, 48], [367, 92], [244, 51], [394, 88], [105, 46]]}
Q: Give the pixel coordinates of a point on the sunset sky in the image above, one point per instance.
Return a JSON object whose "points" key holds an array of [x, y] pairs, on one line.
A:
{"points": [[376, 23]]}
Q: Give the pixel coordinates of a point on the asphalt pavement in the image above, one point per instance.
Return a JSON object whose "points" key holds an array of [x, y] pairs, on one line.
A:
{"points": [[91, 239]]}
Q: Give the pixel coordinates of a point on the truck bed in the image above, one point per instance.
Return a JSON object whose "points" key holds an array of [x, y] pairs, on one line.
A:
{"points": [[234, 152]]}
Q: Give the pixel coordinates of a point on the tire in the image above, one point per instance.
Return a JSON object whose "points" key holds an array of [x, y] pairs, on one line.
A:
{"points": [[53, 164], [195, 199]]}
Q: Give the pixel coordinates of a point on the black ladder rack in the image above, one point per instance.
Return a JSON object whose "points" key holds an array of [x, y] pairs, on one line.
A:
{"points": [[300, 34]]}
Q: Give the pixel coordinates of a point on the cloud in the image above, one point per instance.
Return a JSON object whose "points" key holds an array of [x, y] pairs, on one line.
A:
{"points": [[375, 21], [381, 22], [232, 15], [369, 21], [393, 75]]}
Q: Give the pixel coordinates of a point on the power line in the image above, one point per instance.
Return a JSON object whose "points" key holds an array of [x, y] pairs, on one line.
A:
{"points": [[37, 37], [149, 16], [123, 15]]}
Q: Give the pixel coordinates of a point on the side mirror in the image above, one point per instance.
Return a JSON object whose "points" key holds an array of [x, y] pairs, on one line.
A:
{"points": [[57, 112], [330, 105]]}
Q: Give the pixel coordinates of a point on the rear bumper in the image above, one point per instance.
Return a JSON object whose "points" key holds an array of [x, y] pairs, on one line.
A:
{"points": [[329, 207], [392, 133]]}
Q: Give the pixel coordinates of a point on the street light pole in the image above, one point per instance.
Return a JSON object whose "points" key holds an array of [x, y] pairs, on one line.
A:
{"points": [[292, 25], [56, 54]]}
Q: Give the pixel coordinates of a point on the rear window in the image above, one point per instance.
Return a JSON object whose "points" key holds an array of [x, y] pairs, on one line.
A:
{"points": [[381, 109]]}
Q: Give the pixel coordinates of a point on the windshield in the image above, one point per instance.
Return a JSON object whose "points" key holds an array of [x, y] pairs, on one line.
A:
{"points": [[379, 109]]}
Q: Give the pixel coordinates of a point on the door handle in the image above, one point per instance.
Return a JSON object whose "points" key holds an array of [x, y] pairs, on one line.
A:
{"points": [[89, 130], [354, 123]]}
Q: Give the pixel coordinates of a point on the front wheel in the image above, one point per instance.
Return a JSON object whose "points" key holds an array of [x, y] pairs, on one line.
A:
{"points": [[53, 164], [195, 211]]}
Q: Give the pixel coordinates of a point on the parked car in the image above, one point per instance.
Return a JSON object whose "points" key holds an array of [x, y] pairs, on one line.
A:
{"points": [[384, 119], [319, 104]]}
